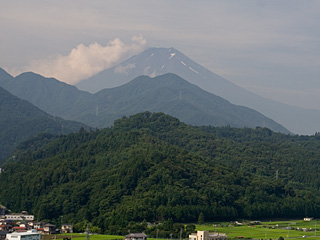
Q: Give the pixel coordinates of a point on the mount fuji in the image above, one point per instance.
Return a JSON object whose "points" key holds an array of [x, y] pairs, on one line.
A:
{"points": [[157, 61]]}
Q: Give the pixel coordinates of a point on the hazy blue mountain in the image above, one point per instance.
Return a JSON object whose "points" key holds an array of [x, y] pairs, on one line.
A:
{"points": [[4, 76], [20, 120], [157, 61], [175, 96], [54, 97], [166, 93]]}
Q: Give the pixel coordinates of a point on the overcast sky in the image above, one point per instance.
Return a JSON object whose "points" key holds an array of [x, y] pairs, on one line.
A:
{"points": [[271, 47]]}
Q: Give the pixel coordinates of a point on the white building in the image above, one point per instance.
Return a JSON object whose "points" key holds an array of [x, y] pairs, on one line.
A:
{"points": [[206, 235], [19, 217], [29, 235]]}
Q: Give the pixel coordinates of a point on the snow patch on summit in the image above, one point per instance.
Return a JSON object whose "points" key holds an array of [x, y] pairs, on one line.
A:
{"points": [[193, 70], [172, 55], [183, 63]]}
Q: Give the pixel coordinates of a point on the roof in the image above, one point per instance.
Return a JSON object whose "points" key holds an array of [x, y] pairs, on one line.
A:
{"points": [[24, 233], [137, 235], [49, 225]]}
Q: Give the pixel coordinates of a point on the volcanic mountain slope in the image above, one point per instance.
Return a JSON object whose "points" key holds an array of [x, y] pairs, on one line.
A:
{"points": [[166, 93], [20, 120], [158, 61]]}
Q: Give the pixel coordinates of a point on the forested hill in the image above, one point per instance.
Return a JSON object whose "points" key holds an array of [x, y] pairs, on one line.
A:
{"points": [[153, 167], [20, 120]]}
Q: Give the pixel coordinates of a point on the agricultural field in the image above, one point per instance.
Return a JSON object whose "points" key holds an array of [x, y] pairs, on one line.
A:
{"points": [[293, 229], [266, 230], [78, 236]]}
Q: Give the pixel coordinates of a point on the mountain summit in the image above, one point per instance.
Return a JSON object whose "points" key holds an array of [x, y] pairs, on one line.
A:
{"points": [[157, 61], [175, 96], [153, 62]]}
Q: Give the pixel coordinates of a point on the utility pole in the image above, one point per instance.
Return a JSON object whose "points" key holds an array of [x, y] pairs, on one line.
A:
{"points": [[265, 235], [61, 220], [87, 232]]}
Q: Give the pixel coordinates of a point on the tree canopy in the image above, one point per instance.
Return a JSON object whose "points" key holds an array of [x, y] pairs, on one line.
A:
{"points": [[151, 167]]}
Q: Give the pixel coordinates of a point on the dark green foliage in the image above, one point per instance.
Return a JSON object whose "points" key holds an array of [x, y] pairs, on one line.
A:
{"points": [[201, 218], [151, 167], [20, 120]]}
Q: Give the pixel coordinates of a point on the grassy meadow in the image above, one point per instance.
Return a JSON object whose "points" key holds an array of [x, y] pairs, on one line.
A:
{"points": [[265, 230]]}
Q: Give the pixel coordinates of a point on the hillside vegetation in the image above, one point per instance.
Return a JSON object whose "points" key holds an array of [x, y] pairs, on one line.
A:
{"points": [[153, 167], [20, 120]]}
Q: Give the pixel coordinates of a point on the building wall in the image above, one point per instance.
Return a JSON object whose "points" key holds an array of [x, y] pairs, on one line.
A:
{"points": [[24, 236], [200, 235], [19, 217], [206, 235]]}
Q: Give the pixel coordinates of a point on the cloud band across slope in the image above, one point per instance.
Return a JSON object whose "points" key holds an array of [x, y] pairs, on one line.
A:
{"points": [[85, 61]]}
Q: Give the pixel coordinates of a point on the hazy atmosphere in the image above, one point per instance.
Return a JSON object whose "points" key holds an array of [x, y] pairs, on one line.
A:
{"points": [[268, 47], [159, 120]]}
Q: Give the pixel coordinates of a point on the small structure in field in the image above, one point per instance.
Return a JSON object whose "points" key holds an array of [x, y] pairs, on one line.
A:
{"points": [[206, 235]]}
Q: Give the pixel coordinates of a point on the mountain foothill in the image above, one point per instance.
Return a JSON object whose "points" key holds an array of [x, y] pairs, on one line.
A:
{"points": [[152, 167], [20, 120], [156, 147]]}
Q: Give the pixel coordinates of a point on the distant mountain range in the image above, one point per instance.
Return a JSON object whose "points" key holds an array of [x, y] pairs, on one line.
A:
{"points": [[20, 120], [52, 96], [166, 93], [157, 61], [175, 96]]}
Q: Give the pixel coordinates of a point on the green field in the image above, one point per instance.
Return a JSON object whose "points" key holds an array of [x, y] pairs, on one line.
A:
{"points": [[266, 230], [78, 236]]}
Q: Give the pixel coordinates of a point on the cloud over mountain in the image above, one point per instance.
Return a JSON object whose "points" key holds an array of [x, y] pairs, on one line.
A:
{"points": [[84, 61]]}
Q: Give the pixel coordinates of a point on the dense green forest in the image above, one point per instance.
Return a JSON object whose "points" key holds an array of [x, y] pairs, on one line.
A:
{"points": [[20, 120], [151, 167]]}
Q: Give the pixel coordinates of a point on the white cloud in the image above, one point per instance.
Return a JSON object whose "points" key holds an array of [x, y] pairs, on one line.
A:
{"points": [[123, 69], [86, 61]]}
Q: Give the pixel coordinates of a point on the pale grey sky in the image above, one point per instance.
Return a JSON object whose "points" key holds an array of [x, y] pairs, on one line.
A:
{"points": [[271, 47]]}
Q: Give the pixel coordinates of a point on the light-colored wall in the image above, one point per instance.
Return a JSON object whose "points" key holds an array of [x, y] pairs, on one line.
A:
{"points": [[19, 217], [24, 236]]}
